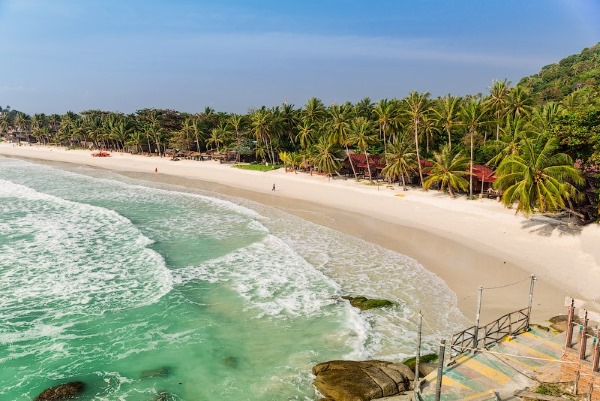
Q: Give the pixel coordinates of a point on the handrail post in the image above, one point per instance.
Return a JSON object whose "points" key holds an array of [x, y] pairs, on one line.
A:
{"points": [[416, 385], [440, 371], [476, 333], [570, 316], [596, 359], [531, 285], [582, 337]]}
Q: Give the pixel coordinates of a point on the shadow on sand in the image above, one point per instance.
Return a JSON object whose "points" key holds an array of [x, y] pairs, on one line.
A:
{"points": [[545, 226]]}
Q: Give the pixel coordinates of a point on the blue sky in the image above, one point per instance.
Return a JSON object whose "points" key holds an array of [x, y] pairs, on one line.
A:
{"points": [[125, 55]]}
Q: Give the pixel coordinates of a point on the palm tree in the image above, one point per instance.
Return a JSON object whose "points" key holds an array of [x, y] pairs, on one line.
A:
{"points": [[22, 122], [545, 116], [291, 160], [449, 170], [515, 130], [136, 139], [537, 177], [261, 122], [447, 113], [306, 133], [339, 129], [417, 107], [326, 156], [400, 160], [218, 136], [385, 114], [520, 102], [362, 134], [498, 101], [237, 122], [364, 108], [473, 115], [314, 110], [289, 120]]}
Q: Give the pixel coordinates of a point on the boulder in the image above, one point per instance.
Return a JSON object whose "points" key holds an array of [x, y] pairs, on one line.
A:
{"points": [[61, 392], [361, 380], [364, 303], [426, 364]]}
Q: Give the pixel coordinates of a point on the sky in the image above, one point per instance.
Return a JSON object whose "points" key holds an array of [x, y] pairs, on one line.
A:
{"points": [[232, 56]]}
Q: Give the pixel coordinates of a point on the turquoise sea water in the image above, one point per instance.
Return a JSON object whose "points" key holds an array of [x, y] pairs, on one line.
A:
{"points": [[138, 288]]}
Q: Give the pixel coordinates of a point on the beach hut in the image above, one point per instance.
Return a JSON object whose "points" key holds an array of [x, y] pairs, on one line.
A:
{"points": [[376, 163], [483, 180]]}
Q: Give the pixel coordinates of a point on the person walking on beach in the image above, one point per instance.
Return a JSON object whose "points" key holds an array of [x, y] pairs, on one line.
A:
{"points": [[273, 187], [155, 170]]}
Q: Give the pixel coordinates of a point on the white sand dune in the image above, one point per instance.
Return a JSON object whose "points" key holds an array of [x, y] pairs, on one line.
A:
{"points": [[466, 243]]}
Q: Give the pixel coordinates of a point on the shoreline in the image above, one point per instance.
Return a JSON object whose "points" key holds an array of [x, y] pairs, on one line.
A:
{"points": [[465, 243]]}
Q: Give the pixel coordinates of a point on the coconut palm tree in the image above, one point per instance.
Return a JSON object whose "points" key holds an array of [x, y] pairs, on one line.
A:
{"points": [[520, 102], [544, 116], [261, 123], [306, 133], [417, 109], [136, 139], [446, 110], [474, 117], [538, 178], [339, 129], [363, 134], [314, 110], [513, 132], [498, 101], [22, 123], [385, 114], [326, 156], [449, 169], [401, 159], [237, 122], [364, 108]]}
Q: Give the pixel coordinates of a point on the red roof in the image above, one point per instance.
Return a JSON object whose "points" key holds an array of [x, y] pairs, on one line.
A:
{"points": [[375, 161], [484, 173], [425, 163]]}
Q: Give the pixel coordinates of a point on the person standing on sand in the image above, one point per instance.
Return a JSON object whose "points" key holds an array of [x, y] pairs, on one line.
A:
{"points": [[155, 170], [273, 187]]}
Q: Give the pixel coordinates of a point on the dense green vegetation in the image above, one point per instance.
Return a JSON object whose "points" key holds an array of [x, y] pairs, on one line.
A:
{"points": [[545, 149], [557, 81]]}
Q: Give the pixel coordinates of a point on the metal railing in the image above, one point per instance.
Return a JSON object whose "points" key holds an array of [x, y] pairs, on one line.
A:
{"points": [[490, 334]]}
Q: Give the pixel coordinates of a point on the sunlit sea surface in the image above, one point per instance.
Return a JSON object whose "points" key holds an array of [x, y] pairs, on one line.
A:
{"points": [[140, 289]]}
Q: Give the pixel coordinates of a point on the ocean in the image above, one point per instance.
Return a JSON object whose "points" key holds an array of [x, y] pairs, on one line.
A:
{"points": [[145, 290]]}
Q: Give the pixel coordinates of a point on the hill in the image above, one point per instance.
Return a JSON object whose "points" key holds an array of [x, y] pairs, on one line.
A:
{"points": [[556, 81]]}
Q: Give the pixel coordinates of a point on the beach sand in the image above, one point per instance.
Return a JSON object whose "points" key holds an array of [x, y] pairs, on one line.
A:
{"points": [[466, 243]]}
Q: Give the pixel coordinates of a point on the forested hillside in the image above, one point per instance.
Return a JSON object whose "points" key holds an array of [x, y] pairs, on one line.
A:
{"points": [[556, 81]]}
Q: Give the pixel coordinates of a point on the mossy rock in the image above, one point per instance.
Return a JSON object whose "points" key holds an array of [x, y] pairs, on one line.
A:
{"points": [[428, 358], [364, 303]]}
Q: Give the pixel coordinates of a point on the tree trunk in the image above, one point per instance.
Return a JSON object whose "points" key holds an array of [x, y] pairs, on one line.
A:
{"points": [[471, 169], [351, 164], [369, 167], [417, 149]]}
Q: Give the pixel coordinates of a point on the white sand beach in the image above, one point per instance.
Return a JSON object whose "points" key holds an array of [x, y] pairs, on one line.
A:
{"points": [[466, 243]]}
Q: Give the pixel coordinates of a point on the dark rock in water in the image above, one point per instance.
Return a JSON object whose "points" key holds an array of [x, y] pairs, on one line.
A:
{"points": [[364, 303], [61, 392], [231, 362], [163, 371], [361, 381]]}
